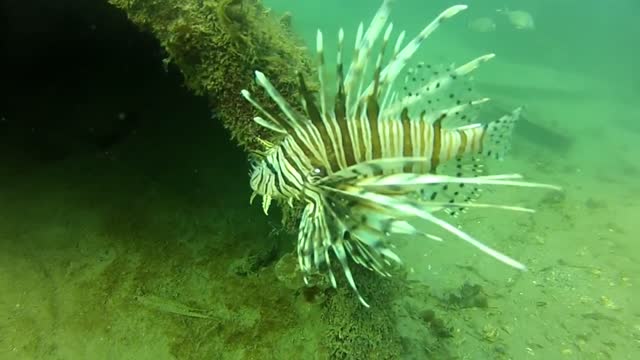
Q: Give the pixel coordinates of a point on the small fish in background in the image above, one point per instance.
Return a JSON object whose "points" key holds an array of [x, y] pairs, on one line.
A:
{"points": [[520, 19], [482, 25]]}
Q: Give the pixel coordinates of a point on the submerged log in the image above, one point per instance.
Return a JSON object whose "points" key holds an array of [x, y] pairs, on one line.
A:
{"points": [[217, 46]]}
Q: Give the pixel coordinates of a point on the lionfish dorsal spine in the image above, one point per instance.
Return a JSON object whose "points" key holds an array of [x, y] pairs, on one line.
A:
{"points": [[378, 68], [349, 82], [389, 94], [321, 74], [362, 54], [401, 58]]}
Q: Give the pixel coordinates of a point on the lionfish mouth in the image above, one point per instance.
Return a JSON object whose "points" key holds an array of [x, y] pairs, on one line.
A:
{"points": [[389, 152]]}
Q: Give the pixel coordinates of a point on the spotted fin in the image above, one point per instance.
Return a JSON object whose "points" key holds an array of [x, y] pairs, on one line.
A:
{"points": [[374, 207], [403, 208], [497, 137], [457, 197], [434, 90]]}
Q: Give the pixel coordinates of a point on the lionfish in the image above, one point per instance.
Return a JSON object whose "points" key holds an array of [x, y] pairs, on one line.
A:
{"points": [[368, 160]]}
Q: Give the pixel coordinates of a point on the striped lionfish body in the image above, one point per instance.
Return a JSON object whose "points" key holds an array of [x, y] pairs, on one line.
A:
{"points": [[371, 160]]}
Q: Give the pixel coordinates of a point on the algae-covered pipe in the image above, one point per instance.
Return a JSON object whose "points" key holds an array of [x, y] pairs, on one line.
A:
{"points": [[217, 45]]}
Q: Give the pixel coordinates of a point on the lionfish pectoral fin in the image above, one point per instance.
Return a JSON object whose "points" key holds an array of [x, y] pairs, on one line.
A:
{"points": [[409, 182], [253, 196], [341, 254], [371, 168], [406, 208], [317, 236], [266, 203], [452, 194]]}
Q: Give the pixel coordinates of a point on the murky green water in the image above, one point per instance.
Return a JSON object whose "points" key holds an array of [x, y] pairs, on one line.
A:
{"points": [[148, 249]]}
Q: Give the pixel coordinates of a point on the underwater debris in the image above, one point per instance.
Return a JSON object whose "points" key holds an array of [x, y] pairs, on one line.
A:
{"points": [[595, 204], [468, 296], [553, 200], [287, 272], [436, 325], [254, 260], [172, 307], [490, 333]]}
